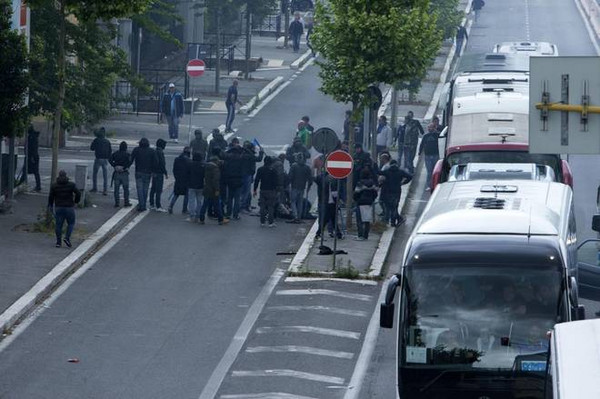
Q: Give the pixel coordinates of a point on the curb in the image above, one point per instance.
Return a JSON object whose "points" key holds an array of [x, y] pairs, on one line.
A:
{"points": [[303, 59], [64, 268], [592, 11], [304, 249], [264, 93]]}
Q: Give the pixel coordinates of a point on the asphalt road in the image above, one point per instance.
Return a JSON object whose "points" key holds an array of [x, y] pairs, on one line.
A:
{"points": [[555, 21], [155, 316]]}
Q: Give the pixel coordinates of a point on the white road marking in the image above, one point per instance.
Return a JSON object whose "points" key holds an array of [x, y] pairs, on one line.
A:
{"points": [[326, 309], [269, 69], [37, 312], [347, 295], [300, 349], [266, 395], [268, 99], [364, 358], [309, 329], [290, 373], [219, 373], [339, 164], [343, 280]]}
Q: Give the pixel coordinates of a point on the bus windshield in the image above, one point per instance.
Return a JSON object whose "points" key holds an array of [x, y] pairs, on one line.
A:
{"points": [[480, 317]]}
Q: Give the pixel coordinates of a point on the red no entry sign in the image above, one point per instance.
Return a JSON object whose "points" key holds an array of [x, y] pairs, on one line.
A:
{"points": [[339, 164], [195, 68]]}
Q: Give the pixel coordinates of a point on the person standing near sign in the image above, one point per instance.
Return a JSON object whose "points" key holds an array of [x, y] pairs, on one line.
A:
{"points": [[230, 102], [171, 106], [365, 194], [296, 30]]}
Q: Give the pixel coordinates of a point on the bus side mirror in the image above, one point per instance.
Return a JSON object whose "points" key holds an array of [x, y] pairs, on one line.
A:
{"points": [[596, 223], [580, 312], [386, 315]]}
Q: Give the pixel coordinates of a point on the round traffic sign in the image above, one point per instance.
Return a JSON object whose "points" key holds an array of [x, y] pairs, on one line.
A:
{"points": [[195, 68], [339, 164], [324, 140]]}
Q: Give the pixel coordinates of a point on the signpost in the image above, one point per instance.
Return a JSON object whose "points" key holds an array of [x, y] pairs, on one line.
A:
{"points": [[339, 166], [195, 68]]}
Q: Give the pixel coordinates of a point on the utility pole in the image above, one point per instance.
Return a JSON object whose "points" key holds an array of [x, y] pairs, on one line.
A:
{"points": [[248, 39], [139, 52]]}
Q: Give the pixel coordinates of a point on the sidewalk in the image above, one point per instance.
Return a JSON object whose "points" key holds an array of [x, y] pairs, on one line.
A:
{"points": [[365, 259], [210, 110], [28, 256]]}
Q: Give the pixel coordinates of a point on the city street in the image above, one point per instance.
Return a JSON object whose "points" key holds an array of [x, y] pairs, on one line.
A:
{"points": [[171, 309]]}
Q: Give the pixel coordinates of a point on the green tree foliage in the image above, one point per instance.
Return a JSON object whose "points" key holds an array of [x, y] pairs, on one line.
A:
{"points": [[373, 41], [230, 12], [449, 16], [13, 76], [82, 14]]}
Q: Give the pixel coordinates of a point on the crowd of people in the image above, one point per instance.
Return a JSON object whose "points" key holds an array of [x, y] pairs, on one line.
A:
{"points": [[219, 178]]}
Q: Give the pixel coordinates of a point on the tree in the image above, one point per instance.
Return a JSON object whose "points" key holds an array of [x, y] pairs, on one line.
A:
{"points": [[450, 16], [78, 12], [13, 84], [366, 42]]}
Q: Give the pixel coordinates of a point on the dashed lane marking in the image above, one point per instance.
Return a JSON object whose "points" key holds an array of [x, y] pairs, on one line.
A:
{"points": [[266, 395], [310, 330], [290, 374], [347, 295], [326, 309], [300, 349]]}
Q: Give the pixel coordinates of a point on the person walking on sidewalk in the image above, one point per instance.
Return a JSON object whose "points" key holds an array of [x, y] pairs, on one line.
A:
{"points": [[62, 199], [365, 194], [384, 136], [145, 160], [159, 174], [296, 30], [171, 106], [392, 179], [230, 102], [412, 131], [181, 173], [429, 147], [121, 161], [461, 37], [211, 192], [32, 160], [267, 178], [476, 6], [196, 186], [199, 144], [102, 153], [300, 181]]}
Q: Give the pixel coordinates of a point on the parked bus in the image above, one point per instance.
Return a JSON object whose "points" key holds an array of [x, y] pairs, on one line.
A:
{"points": [[486, 114], [489, 268]]}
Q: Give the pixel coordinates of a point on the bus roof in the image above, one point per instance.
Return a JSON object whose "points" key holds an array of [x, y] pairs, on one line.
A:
{"points": [[493, 62], [520, 207], [577, 346]]}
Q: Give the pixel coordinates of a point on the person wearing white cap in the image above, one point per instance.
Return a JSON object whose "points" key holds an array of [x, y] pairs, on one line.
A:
{"points": [[171, 106]]}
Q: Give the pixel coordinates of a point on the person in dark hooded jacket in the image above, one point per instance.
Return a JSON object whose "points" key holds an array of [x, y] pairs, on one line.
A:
{"points": [[63, 197], [365, 194], [199, 144], [218, 143], [196, 169], [296, 148], [159, 174], [102, 152], [120, 161], [181, 173], [211, 192], [233, 171], [249, 170], [145, 160], [391, 180]]}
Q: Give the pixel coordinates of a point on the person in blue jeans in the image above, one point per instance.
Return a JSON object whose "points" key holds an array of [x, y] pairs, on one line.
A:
{"points": [[145, 160], [296, 30], [102, 152], [230, 102], [171, 106], [62, 199]]}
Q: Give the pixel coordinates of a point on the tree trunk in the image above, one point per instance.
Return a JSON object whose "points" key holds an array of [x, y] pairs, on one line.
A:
{"points": [[286, 24], [61, 90], [350, 179]]}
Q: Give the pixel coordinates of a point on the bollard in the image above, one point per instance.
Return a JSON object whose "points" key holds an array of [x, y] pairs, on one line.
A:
{"points": [[81, 174]]}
